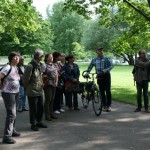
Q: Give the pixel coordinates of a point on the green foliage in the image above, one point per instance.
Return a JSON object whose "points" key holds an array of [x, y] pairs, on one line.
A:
{"points": [[67, 28]]}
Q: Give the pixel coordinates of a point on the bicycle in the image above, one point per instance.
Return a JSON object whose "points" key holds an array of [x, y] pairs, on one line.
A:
{"points": [[90, 92]]}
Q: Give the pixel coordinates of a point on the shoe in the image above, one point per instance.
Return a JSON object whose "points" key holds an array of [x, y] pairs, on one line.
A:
{"points": [[48, 118], [20, 110], [137, 110], [41, 125], [70, 108], [8, 141], [76, 109], [25, 109], [108, 109], [16, 134], [57, 112], [61, 110], [54, 117], [34, 128], [104, 108], [147, 111]]}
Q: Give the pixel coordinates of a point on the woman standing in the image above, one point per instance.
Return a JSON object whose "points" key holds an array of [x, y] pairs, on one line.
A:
{"points": [[51, 74], [72, 73], [10, 95]]}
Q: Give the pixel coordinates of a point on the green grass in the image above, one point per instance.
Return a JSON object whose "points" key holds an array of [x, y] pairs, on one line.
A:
{"points": [[122, 88]]}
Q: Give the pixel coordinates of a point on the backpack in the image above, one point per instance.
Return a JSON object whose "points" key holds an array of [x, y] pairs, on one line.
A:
{"points": [[2, 79]]}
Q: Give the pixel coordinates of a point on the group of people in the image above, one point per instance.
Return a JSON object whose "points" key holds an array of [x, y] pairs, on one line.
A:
{"points": [[46, 84]]}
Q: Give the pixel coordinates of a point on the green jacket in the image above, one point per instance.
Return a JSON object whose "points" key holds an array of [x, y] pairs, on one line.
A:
{"points": [[142, 70], [32, 79]]}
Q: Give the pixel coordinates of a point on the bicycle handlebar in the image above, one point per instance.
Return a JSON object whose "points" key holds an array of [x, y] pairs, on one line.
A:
{"points": [[87, 76]]}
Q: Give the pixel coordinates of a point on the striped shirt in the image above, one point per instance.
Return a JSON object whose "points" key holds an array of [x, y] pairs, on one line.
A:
{"points": [[101, 64]]}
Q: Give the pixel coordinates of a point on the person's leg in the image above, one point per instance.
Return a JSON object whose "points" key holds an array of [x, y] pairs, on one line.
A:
{"points": [[145, 94], [24, 100], [139, 96], [56, 102], [21, 96], [69, 99], [32, 109], [108, 90], [10, 105], [48, 97], [40, 108], [75, 100]]}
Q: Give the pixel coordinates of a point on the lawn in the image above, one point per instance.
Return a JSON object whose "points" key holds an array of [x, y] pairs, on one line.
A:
{"points": [[123, 88]]}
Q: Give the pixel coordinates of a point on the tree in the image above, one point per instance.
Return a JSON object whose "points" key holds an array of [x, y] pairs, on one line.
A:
{"points": [[67, 28], [130, 18]]}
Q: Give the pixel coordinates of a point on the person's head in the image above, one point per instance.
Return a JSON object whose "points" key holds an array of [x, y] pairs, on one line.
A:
{"points": [[13, 58], [38, 55], [99, 52], [56, 56], [21, 61], [70, 58], [142, 53], [62, 58], [48, 58]]}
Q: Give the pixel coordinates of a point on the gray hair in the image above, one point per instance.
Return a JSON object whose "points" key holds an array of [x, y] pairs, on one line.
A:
{"points": [[38, 53]]}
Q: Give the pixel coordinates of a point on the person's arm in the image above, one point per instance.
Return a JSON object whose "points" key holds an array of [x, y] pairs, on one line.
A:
{"points": [[109, 65], [141, 64], [27, 74], [91, 66]]}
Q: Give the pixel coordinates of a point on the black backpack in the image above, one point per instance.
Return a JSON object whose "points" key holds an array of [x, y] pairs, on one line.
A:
{"points": [[2, 79]]}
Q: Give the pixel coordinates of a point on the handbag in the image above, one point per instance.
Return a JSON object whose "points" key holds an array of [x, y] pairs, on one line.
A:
{"points": [[72, 87]]}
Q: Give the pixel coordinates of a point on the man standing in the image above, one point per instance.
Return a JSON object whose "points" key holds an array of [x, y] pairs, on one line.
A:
{"points": [[141, 76], [32, 81], [103, 65]]}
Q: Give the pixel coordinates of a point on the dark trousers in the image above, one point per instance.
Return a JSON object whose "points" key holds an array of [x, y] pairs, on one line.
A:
{"points": [[72, 96], [49, 92], [35, 109], [105, 88], [143, 86], [57, 99], [11, 102]]}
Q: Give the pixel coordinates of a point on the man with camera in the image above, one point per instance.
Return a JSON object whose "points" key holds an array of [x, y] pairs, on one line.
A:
{"points": [[103, 65]]}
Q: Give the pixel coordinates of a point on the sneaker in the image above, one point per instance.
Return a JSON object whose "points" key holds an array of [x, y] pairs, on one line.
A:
{"points": [[61, 110], [34, 128], [41, 125], [137, 110], [104, 108], [16, 134], [108, 109], [8, 141], [147, 111], [54, 117], [25, 109], [76, 109], [20, 110], [57, 112]]}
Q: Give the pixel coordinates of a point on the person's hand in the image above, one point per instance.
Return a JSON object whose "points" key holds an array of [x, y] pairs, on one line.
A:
{"points": [[75, 80], [86, 75]]}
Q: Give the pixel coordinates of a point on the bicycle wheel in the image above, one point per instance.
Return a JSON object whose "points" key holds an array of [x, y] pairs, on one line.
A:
{"points": [[97, 102], [85, 101]]}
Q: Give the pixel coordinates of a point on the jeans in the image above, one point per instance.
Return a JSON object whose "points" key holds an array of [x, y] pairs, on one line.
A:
{"points": [[10, 101], [22, 98], [143, 86], [105, 88]]}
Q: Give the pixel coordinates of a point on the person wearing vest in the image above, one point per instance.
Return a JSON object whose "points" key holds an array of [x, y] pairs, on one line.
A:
{"points": [[141, 77], [33, 84]]}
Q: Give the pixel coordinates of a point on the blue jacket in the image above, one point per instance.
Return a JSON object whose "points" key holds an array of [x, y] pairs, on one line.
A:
{"points": [[67, 69]]}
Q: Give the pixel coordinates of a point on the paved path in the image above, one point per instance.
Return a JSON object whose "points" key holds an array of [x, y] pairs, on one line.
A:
{"points": [[121, 129]]}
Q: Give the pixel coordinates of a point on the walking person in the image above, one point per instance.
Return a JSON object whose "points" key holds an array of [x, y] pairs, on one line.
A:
{"points": [[33, 84], [51, 74], [10, 95], [22, 96], [141, 76], [72, 73], [103, 66]]}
